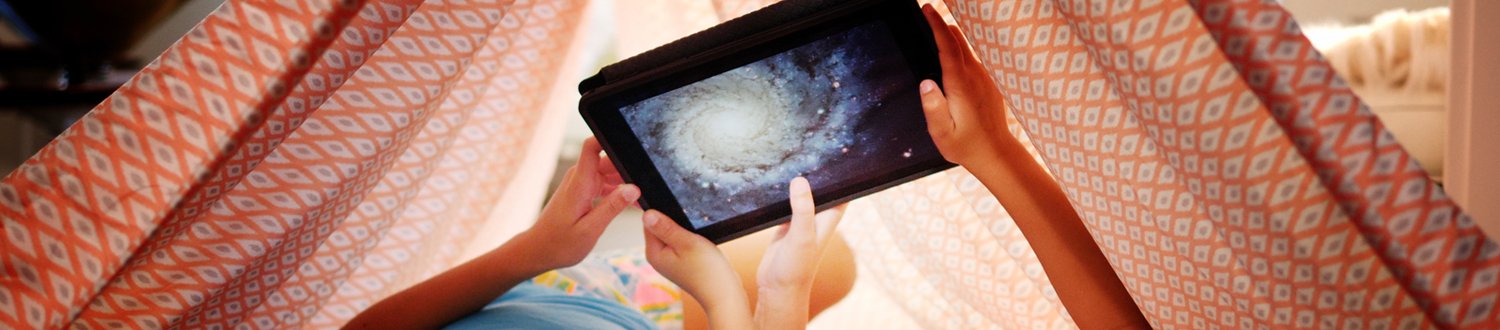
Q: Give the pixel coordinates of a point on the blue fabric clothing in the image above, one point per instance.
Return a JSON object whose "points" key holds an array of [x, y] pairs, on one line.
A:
{"points": [[531, 306]]}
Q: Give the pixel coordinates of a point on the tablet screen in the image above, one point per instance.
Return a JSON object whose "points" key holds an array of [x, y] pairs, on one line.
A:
{"points": [[837, 110]]}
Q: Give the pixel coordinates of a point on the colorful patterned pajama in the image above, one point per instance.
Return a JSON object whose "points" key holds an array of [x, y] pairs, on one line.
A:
{"points": [[622, 276]]}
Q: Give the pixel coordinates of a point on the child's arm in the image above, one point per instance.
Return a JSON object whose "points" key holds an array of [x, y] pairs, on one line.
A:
{"points": [[968, 126], [563, 235]]}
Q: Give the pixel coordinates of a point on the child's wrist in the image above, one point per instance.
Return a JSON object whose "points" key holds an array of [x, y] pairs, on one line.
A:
{"points": [[782, 307], [526, 256], [726, 302], [726, 296], [783, 293], [786, 287], [729, 313], [721, 300]]}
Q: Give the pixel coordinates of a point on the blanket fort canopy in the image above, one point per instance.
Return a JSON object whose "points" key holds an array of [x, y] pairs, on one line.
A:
{"points": [[286, 164], [280, 153]]}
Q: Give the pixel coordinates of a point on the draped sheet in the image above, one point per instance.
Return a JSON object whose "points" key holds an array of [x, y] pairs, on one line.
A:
{"points": [[246, 175], [1229, 175], [286, 164]]}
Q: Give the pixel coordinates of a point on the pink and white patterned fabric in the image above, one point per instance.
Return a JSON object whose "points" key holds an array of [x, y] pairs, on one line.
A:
{"points": [[275, 166], [953, 258], [1230, 176], [286, 164]]}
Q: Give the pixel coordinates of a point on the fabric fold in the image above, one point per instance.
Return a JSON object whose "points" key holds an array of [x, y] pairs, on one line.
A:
{"points": [[117, 173]]}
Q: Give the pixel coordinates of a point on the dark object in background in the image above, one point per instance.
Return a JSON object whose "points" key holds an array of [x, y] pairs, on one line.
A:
{"points": [[72, 55], [81, 39]]}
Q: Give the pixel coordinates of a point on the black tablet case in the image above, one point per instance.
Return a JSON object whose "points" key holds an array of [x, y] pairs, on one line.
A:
{"points": [[728, 37], [720, 36]]}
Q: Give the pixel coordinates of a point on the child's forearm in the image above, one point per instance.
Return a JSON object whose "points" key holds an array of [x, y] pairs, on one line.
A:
{"points": [[453, 294], [782, 308], [727, 312], [1084, 280]]}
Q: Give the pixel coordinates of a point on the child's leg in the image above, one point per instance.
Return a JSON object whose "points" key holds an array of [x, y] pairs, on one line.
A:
{"points": [[834, 279]]}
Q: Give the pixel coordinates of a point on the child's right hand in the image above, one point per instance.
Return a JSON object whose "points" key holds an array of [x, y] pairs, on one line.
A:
{"points": [[785, 277], [967, 116], [791, 260]]}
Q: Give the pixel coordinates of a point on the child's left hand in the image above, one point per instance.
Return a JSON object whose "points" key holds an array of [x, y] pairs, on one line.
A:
{"points": [[699, 268], [563, 235], [571, 223]]}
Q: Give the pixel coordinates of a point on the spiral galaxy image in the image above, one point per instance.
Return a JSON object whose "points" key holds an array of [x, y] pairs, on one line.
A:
{"points": [[835, 110]]}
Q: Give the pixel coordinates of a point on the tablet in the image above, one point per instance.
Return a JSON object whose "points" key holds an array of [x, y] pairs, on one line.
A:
{"points": [[713, 127]]}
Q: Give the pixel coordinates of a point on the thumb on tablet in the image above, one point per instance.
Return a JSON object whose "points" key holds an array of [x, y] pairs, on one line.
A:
{"points": [[803, 208], [663, 230], [610, 206], [935, 107]]}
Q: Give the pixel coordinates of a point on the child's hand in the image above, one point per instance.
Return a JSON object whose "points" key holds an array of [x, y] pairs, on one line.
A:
{"points": [[785, 277], [571, 223], [791, 259], [689, 260], [696, 265], [966, 122]]}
